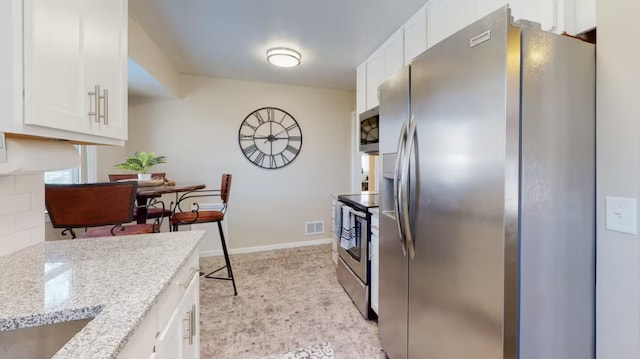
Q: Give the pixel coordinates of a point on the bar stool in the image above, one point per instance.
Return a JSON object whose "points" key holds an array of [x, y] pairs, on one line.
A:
{"points": [[193, 215], [94, 205], [156, 208]]}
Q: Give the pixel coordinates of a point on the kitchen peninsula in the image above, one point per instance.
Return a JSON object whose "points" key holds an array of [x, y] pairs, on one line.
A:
{"points": [[129, 287]]}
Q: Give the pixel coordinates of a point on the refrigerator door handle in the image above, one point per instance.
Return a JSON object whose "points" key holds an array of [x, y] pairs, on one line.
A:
{"points": [[406, 161], [397, 180]]}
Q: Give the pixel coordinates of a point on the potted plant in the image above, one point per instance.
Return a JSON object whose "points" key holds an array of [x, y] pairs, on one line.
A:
{"points": [[141, 162]]}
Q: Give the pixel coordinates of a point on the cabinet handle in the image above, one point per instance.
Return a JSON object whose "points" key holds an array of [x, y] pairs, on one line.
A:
{"points": [[193, 323], [96, 103], [188, 336], [106, 106], [100, 113], [193, 273]]}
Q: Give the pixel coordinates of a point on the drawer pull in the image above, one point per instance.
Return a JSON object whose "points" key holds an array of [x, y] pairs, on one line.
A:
{"points": [[191, 329], [193, 273]]}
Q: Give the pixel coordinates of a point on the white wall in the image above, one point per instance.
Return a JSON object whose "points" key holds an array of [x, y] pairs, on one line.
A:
{"points": [[199, 136], [618, 174]]}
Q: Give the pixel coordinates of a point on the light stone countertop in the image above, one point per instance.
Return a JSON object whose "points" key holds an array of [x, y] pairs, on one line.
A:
{"points": [[114, 279]]}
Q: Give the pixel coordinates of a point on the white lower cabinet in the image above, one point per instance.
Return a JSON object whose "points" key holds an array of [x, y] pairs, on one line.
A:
{"points": [[335, 206], [171, 329], [181, 337], [375, 262]]}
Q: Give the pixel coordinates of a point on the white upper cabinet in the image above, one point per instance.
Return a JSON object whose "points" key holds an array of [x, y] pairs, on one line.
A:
{"points": [[52, 63], [388, 59], [448, 16], [361, 88], [106, 64], [439, 19], [393, 54], [58, 54], [375, 77], [548, 13], [580, 15], [415, 35]]}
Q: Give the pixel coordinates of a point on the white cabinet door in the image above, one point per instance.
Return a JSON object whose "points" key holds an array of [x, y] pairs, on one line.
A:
{"points": [[180, 338], [361, 88], [393, 54], [447, 17], [486, 7], [53, 53], [53, 65], [375, 77], [105, 56], [580, 16], [415, 35], [190, 308], [544, 12], [375, 263]]}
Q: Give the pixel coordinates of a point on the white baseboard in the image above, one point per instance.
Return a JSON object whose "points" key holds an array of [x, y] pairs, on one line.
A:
{"points": [[315, 242]]}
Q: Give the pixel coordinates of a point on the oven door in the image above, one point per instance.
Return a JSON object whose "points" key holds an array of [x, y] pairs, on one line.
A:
{"points": [[356, 255]]}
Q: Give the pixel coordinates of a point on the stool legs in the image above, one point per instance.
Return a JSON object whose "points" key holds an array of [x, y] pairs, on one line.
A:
{"points": [[227, 262]]}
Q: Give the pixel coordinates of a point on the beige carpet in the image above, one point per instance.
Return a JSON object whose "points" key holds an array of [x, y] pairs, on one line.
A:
{"points": [[320, 351], [287, 299]]}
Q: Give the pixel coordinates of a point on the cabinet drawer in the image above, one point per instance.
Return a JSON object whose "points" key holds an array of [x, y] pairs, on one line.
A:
{"points": [[174, 292]]}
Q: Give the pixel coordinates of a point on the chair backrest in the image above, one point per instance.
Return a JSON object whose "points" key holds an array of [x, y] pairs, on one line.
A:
{"points": [[90, 205], [225, 188], [125, 176]]}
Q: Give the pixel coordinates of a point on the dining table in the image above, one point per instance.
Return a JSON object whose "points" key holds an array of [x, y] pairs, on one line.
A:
{"points": [[144, 193]]}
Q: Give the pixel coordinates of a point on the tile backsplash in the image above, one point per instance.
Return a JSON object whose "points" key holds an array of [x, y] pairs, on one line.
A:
{"points": [[21, 211]]}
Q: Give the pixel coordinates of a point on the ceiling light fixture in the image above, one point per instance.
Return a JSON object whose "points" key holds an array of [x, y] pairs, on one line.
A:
{"points": [[283, 57]]}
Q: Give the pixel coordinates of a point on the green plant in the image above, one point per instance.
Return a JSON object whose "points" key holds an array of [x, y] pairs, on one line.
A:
{"points": [[141, 162]]}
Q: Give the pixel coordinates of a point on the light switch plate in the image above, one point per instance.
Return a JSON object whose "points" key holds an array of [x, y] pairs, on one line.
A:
{"points": [[3, 148], [621, 215]]}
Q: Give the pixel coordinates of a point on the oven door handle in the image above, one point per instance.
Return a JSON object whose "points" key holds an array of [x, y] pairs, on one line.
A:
{"points": [[397, 180]]}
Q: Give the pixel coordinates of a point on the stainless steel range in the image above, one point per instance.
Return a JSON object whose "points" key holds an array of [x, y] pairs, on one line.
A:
{"points": [[354, 265]]}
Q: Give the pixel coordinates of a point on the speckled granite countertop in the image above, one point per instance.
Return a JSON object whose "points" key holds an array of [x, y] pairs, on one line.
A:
{"points": [[115, 279]]}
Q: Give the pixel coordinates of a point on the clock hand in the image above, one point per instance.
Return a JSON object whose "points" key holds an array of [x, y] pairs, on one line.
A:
{"points": [[274, 137]]}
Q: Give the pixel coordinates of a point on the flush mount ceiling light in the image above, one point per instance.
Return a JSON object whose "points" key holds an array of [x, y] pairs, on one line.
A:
{"points": [[283, 57]]}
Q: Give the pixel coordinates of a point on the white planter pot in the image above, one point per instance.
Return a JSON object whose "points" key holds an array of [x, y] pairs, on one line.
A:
{"points": [[144, 176]]}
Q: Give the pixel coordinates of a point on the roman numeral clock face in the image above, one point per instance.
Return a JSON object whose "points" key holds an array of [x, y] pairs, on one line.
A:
{"points": [[270, 138]]}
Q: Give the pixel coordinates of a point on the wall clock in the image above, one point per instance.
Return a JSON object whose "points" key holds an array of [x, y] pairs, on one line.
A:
{"points": [[270, 138]]}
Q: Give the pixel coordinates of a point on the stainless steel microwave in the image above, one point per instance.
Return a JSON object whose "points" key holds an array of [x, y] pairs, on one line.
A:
{"points": [[369, 131]]}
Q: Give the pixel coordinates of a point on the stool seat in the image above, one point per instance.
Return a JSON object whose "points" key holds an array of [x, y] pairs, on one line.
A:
{"points": [[197, 217]]}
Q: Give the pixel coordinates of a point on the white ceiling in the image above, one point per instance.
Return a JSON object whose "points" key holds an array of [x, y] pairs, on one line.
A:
{"points": [[229, 38]]}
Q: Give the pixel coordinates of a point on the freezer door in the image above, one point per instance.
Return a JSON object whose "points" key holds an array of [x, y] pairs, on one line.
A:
{"points": [[459, 91], [393, 270]]}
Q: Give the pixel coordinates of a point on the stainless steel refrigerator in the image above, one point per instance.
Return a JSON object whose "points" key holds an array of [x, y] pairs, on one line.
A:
{"points": [[487, 241]]}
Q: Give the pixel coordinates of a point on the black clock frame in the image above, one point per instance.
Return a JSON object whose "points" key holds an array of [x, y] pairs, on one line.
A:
{"points": [[250, 150]]}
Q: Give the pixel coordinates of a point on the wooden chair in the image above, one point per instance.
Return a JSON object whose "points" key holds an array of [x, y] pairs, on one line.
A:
{"points": [[156, 209], [94, 205], [193, 215]]}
